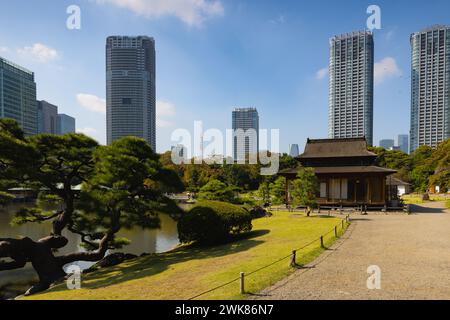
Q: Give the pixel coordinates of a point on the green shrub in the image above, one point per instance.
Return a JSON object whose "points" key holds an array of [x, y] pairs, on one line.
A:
{"points": [[213, 222], [218, 191]]}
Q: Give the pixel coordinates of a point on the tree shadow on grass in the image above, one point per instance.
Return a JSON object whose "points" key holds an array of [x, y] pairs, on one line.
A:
{"points": [[324, 216], [151, 265]]}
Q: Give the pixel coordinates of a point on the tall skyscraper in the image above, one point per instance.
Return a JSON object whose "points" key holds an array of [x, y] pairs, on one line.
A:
{"points": [[65, 124], [246, 133], [351, 86], [403, 142], [294, 150], [130, 88], [430, 87], [47, 117], [18, 96], [387, 144]]}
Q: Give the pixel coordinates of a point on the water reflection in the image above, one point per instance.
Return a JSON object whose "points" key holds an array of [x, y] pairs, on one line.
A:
{"points": [[148, 241]]}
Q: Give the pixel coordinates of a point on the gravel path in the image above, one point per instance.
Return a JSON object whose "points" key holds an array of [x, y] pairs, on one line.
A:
{"points": [[412, 251]]}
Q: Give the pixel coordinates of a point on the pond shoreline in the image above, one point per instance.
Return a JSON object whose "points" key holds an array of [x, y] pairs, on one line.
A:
{"points": [[142, 241]]}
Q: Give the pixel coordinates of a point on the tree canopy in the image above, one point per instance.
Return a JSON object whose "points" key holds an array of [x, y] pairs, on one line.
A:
{"points": [[94, 192]]}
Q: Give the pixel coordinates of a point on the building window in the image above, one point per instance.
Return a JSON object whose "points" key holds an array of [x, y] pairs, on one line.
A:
{"points": [[323, 189]]}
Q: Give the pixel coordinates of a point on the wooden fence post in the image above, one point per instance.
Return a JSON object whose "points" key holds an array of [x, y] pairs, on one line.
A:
{"points": [[242, 283], [335, 231], [293, 258], [342, 224], [321, 242]]}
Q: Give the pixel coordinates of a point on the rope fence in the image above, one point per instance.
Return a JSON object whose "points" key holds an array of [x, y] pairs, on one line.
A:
{"points": [[292, 262]]}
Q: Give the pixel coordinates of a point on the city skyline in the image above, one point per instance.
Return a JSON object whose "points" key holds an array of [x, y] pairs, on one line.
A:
{"points": [[200, 78]]}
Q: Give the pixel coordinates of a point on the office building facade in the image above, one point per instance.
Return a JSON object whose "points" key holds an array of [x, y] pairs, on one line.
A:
{"points": [[47, 117], [65, 124], [351, 86], [130, 88], [18, 96], [430, 87], [294, 150], [403, 142], [245, 123], [387, 143]]}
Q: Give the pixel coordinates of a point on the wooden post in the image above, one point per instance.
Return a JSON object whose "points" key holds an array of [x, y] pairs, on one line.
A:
{"points": [[335, 231], [342, 224], [293, 258], [242, 283], [321, 242]]}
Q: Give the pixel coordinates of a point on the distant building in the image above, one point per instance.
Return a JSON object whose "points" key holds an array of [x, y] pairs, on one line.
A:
{"points": [[18, 96], [180, 152], [65, 124], [47, 117], [246, 133], [294, 150], [130, 88], [351, 86], [397, 187], [430, 87], [387, 143], [403, 142]]}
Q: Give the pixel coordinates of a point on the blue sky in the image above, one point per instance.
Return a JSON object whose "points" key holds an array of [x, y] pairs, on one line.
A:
{"points": [[213, 55]]}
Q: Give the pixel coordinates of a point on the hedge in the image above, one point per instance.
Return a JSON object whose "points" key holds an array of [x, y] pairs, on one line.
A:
{"points": [[213, 222]]}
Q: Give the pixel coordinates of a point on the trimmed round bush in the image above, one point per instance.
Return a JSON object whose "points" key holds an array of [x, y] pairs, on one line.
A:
{"points": [[213, 222]]}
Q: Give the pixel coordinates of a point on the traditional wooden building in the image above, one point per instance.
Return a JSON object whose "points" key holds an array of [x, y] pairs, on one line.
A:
{"points": [[346, 172]]}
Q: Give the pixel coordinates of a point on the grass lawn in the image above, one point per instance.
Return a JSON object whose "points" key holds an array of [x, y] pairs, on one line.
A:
{"points": [[417, 198], [187, 271]]}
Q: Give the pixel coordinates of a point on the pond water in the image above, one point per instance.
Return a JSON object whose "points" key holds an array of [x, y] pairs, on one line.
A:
{"points": [[142, 241]]}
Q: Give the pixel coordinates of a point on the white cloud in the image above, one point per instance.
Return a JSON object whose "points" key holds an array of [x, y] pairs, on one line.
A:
{"points": [[4, 49], [87, 131], [92, 102], [39, 52], [386, 68], [279, 20], [164, 109], [191, 12], [322, 73], [161, 123]]}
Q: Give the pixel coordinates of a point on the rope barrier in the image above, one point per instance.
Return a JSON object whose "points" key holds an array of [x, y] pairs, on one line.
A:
{"points": [[264, 267]]}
